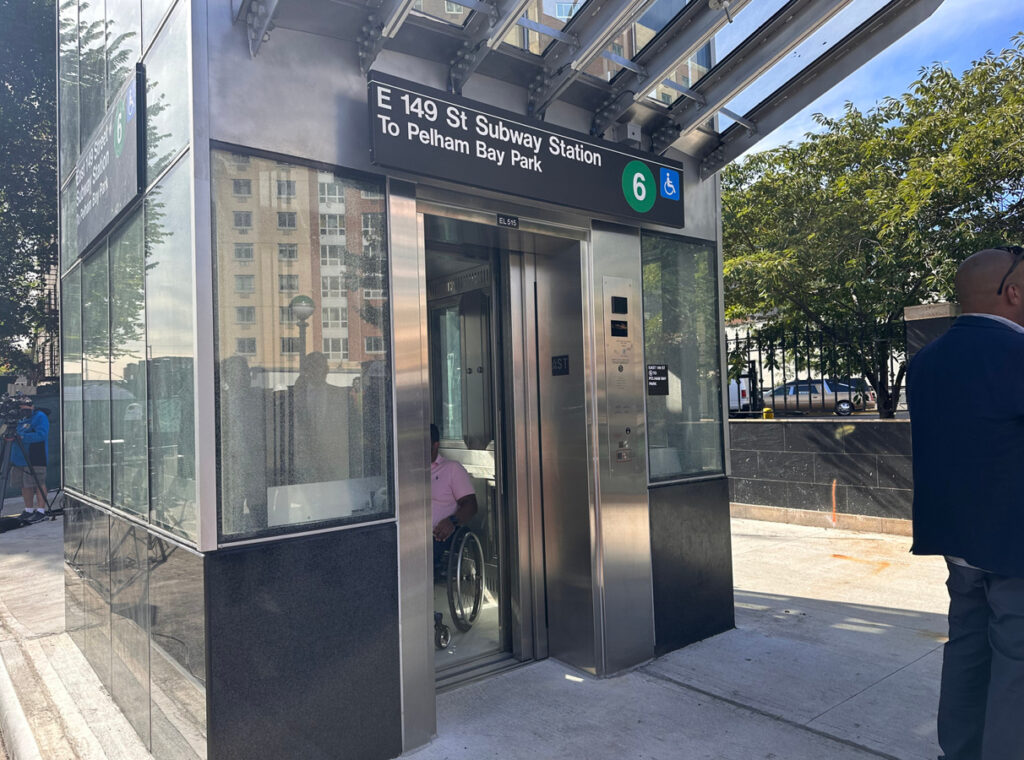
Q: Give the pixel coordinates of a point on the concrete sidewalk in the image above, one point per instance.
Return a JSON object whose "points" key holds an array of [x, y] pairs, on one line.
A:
{"points": [[836, 656]]}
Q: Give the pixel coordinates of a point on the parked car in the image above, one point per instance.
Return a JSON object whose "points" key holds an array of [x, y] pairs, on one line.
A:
{"points": [[742, 398], [842, 397]]}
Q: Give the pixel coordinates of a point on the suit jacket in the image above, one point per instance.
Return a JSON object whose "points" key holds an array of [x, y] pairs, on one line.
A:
{"points": [[966, 397]]}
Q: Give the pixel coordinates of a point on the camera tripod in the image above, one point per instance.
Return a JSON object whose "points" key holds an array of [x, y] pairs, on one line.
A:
{"points": [[8, 440]]}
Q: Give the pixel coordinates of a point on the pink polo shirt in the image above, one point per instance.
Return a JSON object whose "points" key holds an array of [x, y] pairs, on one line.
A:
{"points": [[449, 482]]}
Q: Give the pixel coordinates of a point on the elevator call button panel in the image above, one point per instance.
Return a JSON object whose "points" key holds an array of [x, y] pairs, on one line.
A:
{"points": [[623, 374]]}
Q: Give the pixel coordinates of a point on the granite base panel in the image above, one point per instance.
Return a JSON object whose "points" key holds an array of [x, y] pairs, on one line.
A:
{"points": [[821, 519]]}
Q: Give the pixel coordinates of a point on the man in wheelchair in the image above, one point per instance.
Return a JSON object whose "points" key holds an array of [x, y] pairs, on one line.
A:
{"points": [[452, 499]]}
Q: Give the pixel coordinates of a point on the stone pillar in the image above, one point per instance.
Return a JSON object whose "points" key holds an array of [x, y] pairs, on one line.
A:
{"points": [[926, 323]]}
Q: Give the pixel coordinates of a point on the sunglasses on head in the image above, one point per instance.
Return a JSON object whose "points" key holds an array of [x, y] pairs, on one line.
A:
{"points": [[1018, 254]]}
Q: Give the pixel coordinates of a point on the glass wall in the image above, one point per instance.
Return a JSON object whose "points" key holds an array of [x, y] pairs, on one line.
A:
{"points": [[301, 345], [128, 296], [681, 331]]}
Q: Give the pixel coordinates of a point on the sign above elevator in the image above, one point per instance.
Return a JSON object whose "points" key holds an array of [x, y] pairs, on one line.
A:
{"points": [[424, 131]]}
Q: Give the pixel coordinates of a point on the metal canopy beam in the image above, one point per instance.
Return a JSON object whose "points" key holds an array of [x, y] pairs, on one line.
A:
{"points": [[794, 23], [862, 44], [595, 28], [259, 21], [481, 30], [683, 37]]}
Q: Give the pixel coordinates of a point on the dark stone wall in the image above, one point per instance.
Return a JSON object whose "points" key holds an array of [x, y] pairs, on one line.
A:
{"points": [[794, 464], [691, 559], [303, 648]]}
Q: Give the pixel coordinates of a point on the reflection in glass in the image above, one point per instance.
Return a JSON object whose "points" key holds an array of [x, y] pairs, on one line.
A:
{"points": [[442, 10], [95, 567], [153, 12], [130, 616], [96, 374], [68, 225], [303, 432], [167, 94], [681, 330], [171, 353], [123, 42], [177, 652], [447, 334], [71, 341], [68, 85], [74, 600], [92, 66], [552, 14], [130, 473]]}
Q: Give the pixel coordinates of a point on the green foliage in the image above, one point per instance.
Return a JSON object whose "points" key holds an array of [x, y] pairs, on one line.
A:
{"points": [[28, 208], [837, 234]]}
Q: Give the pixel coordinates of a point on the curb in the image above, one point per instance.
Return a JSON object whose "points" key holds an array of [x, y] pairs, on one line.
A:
{"points": [[16, 733]]}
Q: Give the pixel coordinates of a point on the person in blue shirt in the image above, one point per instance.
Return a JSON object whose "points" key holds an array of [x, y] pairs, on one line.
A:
{"points": [[34, 433]]}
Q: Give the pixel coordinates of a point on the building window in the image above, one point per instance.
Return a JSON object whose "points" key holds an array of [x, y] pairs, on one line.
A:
{"points": [[453, 9], [287, 283], [239, 159], [373, 293], [331, 255], [291, 345], [245, 283], [565, 11], [245, 315], [286, 220], [681, 330], [334, 317], [285, 315], [618, 50], [332, 224], [243, 220], [332, 192], [241, 187], [287, 251], [333, 348], [374, 344], [243, 251], [372, 231], [245, 346], [286, 188], [376, 195], [331, 286]]}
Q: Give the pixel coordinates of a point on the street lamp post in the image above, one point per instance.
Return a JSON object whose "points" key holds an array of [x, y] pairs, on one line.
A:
{"points": [[302, 307]]}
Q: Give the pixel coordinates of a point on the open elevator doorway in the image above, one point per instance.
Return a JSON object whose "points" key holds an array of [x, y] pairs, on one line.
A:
{"points": [[488, 291]]}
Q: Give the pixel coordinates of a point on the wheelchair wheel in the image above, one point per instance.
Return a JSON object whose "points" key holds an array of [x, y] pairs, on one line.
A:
{"points": [[465, 579]]}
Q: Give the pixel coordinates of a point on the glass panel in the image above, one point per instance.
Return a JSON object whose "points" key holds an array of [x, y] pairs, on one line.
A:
{"points": [[447, 338], [74, 557], [171, 353], [442, 10], [96, 374], [303, 433], [687, 74], [551, 13], [178, 652], [71, 324], [153, 13], [68, 225], [167, 93], [68, 91], [129, 623], [681, 331], [124, 40], [92, 66], [130, 476], [96, 590]]}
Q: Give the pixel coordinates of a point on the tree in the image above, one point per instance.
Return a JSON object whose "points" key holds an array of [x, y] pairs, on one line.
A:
{"points": [[28, 190], [838, 233]]}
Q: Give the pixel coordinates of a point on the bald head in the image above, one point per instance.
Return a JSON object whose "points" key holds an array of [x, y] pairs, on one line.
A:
{"points": [[978, 279]]}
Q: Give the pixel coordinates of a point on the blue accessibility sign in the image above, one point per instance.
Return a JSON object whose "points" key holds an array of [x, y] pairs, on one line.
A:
{"points": [[668, 184], [129, 104]]}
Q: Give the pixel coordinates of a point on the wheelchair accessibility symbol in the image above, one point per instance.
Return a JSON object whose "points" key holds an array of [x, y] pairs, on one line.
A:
{"points": [[668, 184]]}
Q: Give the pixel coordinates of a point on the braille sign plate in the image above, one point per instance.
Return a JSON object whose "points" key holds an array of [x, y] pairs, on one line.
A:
{"points": [[425, 131]]}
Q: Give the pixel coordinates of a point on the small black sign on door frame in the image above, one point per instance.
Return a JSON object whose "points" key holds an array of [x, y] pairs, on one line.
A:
{"points": [[560, 365], [512, 222]]}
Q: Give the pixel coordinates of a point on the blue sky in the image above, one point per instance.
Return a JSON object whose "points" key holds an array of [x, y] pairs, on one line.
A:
{"points": [[957, 33]]}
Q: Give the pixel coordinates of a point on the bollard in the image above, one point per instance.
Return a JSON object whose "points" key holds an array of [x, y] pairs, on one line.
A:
{"points": [[767, 413]]}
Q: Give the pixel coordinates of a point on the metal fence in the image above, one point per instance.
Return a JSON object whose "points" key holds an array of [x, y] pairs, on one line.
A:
{"points": [[816, 372]]}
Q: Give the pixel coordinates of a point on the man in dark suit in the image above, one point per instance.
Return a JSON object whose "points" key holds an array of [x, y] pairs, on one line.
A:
{"points": [[966, 393]]}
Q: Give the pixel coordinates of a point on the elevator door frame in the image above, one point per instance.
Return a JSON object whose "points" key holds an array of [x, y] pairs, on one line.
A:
{"points": [[518, 412], [408, 203]]}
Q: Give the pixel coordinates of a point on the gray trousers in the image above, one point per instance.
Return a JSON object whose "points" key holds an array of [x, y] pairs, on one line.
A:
{"points": [[981, 702]]}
